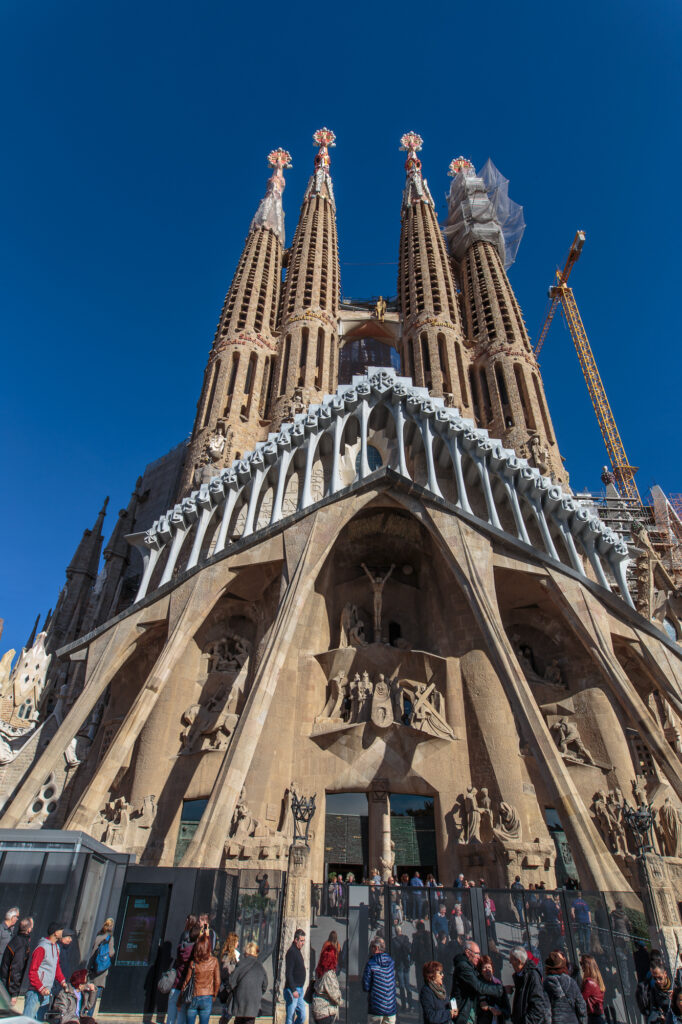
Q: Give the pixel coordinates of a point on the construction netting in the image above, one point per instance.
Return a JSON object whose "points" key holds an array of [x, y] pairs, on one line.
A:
{"points": [[479, 209]]}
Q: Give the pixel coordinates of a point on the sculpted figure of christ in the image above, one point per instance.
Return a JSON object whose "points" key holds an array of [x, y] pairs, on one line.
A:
{"points": [[378, 582]]}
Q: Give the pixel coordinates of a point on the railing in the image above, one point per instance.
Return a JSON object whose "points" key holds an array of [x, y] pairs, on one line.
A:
{"points": [[425, 924]]}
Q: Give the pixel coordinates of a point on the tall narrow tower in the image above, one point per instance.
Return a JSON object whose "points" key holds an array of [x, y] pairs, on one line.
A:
{"points": [[308, 359], [235, 394], [433, 342], [505, 383]]}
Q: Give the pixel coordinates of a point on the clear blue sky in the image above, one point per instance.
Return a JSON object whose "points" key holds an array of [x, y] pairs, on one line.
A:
{"points": [[134, 145]]}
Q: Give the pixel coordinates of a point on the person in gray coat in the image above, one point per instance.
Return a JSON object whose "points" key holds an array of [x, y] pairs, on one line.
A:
{"points": [[566, 1001], [248, 983]]}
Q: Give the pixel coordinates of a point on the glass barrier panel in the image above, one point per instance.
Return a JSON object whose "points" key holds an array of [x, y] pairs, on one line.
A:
{"points": [[257, 920], [330, 924]]}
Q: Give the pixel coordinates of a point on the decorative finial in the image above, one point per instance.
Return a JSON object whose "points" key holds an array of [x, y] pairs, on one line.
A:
{"points": [[460, 164], [280, 158], [323, 137], [411, 142]]}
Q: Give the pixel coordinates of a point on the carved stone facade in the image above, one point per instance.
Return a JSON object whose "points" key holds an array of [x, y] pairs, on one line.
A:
{"points": [[377, 598]]}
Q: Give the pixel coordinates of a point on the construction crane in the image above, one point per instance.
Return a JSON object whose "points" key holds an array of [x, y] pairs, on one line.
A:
{"points": [[560, 293]]}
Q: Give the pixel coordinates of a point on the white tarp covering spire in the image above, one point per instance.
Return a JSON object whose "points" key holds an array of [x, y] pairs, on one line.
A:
{"points": [[479, 209]]}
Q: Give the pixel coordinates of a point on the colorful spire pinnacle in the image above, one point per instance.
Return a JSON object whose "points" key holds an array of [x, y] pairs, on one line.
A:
{"points": [[270, 214], [278, 159], [324, 138], [460, 165], [416, 189]]}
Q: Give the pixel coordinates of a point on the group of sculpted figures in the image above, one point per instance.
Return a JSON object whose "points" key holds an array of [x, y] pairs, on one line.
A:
{"points": [[120, 822], [385, 702], [476, 807], [250, 837], [608, 811]]}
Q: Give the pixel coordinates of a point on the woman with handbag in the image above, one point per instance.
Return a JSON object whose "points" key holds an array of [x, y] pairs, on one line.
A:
{"points": [[201, 983], [248, 983], [326, 990], [180, 966], [229, 958]]}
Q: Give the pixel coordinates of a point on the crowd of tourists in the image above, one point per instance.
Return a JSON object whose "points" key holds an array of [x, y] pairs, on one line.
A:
{"points": [[36, 969]]}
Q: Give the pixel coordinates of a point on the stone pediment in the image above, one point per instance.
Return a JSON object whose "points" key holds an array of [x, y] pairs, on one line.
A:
{"points": [[303, 464]]}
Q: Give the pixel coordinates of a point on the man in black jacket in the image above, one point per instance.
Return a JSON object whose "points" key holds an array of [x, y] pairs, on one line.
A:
{"points": [[294, 980], [531, 1005], [467, 985], [15, 959]]}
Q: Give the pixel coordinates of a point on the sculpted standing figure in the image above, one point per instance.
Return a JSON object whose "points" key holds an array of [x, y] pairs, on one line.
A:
{"points": [[670, 828], [378, 583], [473, 816]]}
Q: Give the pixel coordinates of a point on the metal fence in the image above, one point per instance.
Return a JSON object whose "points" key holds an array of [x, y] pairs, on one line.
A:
{"points": [[422, 924]]}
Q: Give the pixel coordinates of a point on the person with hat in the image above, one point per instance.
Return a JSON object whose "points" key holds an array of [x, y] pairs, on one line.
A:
{"points": [[75, 1003], [43, 971], [530, 1005], [565, 1000]]}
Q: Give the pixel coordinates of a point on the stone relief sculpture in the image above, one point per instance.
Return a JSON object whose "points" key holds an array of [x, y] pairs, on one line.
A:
{"points": [[476, 807], [609, 815], [209, 726], [567, 736], [227, 654], [669, 831], [639, 791], [7, 755], [553, 674], [352, 632], [249, 837], [509, 824], [384, 702], [378, 583], [472, 816], [121, 822]]}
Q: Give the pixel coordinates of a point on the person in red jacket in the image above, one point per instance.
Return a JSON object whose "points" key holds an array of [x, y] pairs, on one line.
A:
{"points": [[593, 989], [44, 970]]}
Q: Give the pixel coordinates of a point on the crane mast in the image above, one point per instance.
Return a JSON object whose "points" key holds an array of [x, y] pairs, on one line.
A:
{"points": [[561, 294]]}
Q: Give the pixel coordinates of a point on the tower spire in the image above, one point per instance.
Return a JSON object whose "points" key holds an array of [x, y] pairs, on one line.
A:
{"points": [[238, 376], [433, 342], [307, 365], [506, 386]]}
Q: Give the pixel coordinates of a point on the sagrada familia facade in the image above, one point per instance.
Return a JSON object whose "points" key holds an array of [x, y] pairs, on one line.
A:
{"points": [[365, 573]]}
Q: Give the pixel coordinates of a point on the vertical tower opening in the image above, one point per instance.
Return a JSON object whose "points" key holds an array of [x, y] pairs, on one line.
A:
{"points": [[211, 396]]}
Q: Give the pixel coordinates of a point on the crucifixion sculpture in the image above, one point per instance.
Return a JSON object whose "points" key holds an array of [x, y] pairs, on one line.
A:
{"points": [[378, 582]]}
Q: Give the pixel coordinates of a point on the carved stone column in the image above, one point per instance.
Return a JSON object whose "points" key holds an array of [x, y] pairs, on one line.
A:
{"points": [[295, 914], [379, 828]]}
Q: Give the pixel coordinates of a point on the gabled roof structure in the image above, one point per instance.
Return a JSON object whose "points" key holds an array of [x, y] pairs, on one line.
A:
{"points": [[450, 457]]}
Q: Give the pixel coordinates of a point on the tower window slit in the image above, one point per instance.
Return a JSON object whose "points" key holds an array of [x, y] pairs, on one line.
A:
{"points": [[303, 357], [485, 396], [319, 358], [474, 396], [543, 409], [442, 355], [211, 396], [460, 374], [285, 364], [523, 395]]}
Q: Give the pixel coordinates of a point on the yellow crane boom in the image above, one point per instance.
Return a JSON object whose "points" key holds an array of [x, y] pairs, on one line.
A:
{"points": [[560, 293]]}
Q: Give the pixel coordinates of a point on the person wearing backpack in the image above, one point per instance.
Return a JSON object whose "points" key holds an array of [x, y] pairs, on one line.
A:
{"points": [[101, 956]]}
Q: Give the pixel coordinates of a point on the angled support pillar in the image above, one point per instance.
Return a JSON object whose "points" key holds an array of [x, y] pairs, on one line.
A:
{"points": [[570, 599], [461, 546], [197, 607], [206, 847]]}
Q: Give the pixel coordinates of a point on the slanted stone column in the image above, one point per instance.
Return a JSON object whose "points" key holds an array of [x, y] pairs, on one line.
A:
{"points": [[295, 914]]}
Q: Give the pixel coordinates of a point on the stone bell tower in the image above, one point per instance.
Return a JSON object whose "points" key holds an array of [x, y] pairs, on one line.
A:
{"points": [[308, 359], [235, 393], [505, 383], [433, 349]]}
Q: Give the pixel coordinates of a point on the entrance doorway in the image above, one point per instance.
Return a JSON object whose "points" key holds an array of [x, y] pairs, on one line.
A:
{"points": [[346, 842], [413, 831]]}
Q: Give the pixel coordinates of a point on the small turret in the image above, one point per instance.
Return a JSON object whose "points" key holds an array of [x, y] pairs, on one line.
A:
{"points": [[238, 378], [308, 359], [433, 344]]}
